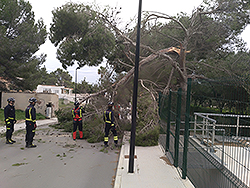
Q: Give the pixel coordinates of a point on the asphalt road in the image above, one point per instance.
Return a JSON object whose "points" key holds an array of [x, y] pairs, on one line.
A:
{"points": [[57, 162]]}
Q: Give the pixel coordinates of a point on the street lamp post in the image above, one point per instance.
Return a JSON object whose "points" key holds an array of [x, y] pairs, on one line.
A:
{"points": [[76, 81], [135, 91]]}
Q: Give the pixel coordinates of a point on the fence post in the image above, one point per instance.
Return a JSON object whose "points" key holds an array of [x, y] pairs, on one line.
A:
{"points": [[195, 125], [177, 127], [207, 133], [213, 137], [168, 120], [159, 104], [203, 128], [222, 153], [186, 133], [238, 124], [207, 130]]}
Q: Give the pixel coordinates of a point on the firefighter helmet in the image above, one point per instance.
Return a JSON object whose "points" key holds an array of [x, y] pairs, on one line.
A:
{"points": [[76, 103], [11, 99], [32, 99], [110, 104]]}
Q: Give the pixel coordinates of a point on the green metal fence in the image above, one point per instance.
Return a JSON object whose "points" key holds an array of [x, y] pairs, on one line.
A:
{"points": [[204, 135]]}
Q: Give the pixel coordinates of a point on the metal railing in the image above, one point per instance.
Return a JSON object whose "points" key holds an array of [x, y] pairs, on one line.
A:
{"points": [[237, 125], [231, 149], [204, 126]]}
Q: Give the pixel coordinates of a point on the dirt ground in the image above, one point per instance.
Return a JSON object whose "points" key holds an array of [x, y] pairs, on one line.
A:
{"points": [[57, 161]]}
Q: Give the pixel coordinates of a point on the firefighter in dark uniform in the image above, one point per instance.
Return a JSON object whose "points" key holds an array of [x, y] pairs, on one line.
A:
{"points": [[108, 118], [10, 119], [77, 119], [30, 114]]}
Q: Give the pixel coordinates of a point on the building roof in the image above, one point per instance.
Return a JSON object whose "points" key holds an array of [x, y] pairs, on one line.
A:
{"points": [[50, 86], [54, 86]]}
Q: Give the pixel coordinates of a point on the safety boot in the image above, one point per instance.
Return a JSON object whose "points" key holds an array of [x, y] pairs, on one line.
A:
{"points": [[12, 140], [31, 146], [81, 134], [74, 135], [9, 142]]}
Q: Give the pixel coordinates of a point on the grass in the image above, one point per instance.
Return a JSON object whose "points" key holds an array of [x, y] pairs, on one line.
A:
{"points": [[19, 164], [70, 146], [104, 150], [20, 115]]}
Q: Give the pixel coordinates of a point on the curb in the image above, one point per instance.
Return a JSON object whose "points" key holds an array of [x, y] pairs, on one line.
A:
{"points": [[120, 167]]}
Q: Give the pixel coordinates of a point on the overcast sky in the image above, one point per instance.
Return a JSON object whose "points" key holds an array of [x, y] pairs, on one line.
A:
{"points": [[42, 9]]}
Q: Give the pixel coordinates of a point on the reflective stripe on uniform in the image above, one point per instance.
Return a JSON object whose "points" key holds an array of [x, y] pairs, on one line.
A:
{"points": [[30, 114], [106, 139], [105, 116], [9, 118], [115, 137], [30, 117], [30, 120], [75, 114], [110, 115]]}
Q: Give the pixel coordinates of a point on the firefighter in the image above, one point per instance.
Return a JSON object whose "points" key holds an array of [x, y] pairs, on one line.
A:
{"points": [[30, 114], [10, 119], [77, 119], [108, 118]]}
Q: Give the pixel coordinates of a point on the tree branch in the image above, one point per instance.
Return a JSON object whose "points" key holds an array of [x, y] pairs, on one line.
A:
{"points": [[125, 63], [165, 16]]}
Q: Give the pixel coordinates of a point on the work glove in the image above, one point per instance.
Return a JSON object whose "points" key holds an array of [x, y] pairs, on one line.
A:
{"points": [[14, 121], [35, 126]]}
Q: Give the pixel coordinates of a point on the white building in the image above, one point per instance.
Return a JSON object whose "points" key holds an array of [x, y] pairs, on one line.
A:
{"points": [[61, 91]]}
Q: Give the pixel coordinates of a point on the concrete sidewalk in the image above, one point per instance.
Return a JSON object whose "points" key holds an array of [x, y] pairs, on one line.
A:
{"points": [[152, 169], [20, 126]]}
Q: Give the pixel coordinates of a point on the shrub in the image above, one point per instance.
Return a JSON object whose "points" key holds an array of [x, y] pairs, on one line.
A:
{"points": [[148, 139], [63, 115], [125, 125], [68, 126], [93, 129]]}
